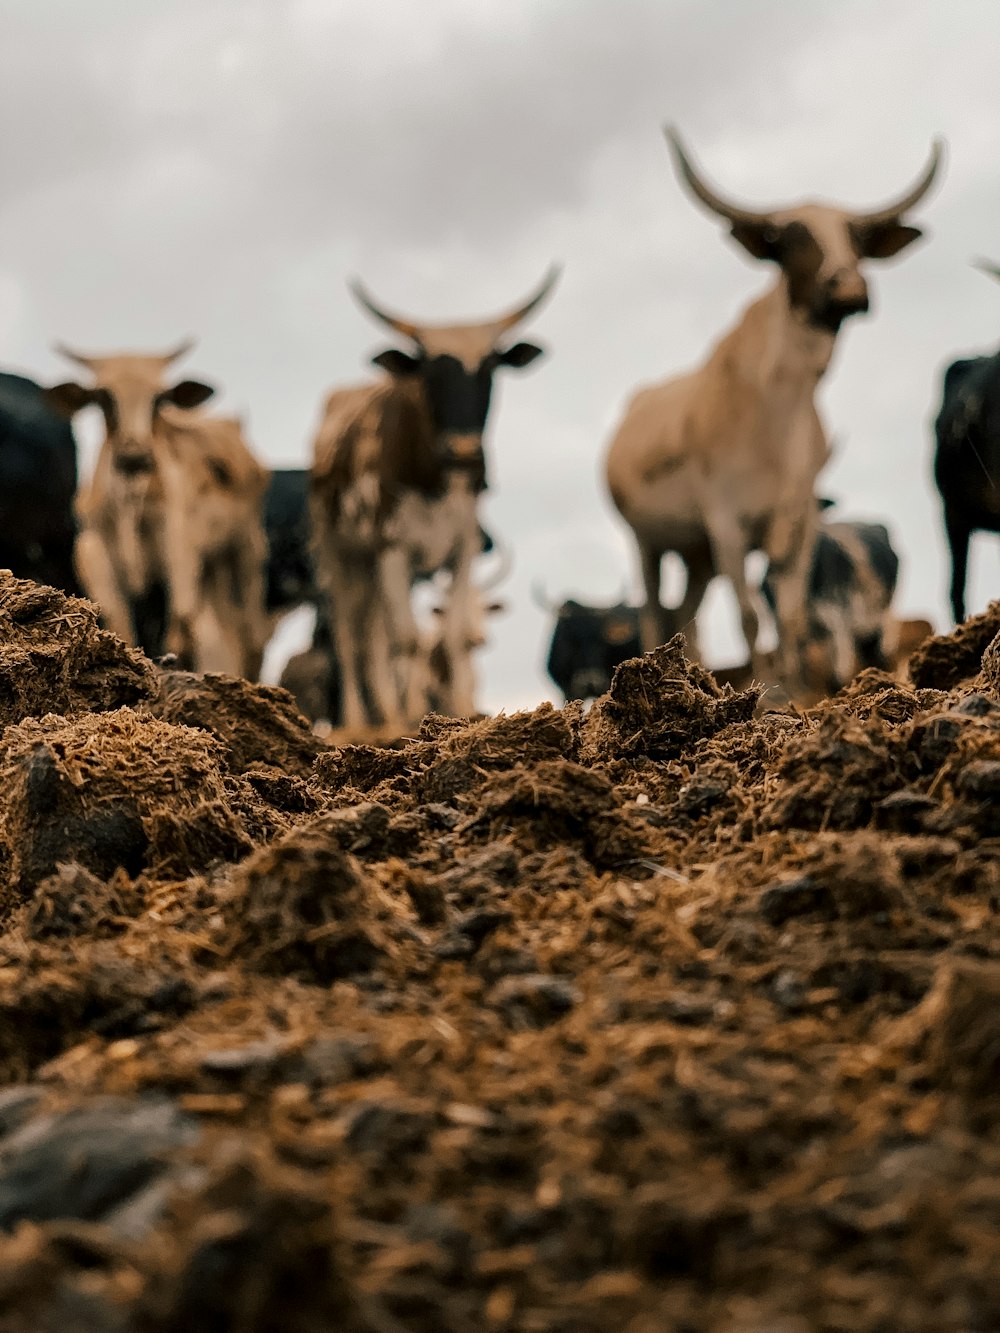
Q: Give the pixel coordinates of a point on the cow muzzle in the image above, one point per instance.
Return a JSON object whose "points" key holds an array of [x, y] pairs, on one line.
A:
{"points": [[133, 462], [588, 683], [843, 294]]}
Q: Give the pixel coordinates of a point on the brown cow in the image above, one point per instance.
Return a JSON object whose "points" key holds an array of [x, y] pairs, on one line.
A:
{"points": [[398, 471], [176, 500], [723, 461]]}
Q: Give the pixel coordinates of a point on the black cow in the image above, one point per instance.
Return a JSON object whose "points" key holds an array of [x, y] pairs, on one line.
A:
{"points": [[967, 461], [290, 580], [588, 642], [852, 581], [37, 485]]}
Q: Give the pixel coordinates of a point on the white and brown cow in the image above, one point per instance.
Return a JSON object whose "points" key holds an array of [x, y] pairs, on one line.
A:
{"points": [[175, 503], [723, 461], [398, 472]]}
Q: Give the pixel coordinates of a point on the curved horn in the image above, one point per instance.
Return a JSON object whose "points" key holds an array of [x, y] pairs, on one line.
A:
{"points": [[523, 311], [502, 571], [403, 326], [701, 190], [182, 349], [538, 596], [984, 266], [86, 361], [913, 196]]}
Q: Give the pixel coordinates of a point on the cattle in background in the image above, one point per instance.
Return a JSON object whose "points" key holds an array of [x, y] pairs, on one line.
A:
{"points": [[290, 578], [175, 503], [588, 642], [434, 657], [852, 581], [722, 461], [967, 458], [37, 485], [398, 472]]}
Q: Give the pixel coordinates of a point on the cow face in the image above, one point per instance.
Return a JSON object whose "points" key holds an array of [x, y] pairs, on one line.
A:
{"points": [[588, 643], [130, 391], [818, 247], [454, 365]]}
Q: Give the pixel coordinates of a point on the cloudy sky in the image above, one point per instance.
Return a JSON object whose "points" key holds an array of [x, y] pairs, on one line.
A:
{"points": [[219, 167]]}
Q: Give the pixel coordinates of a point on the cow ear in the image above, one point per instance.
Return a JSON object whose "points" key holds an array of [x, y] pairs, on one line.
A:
{"points": [[68, 398], [762, 240], [187, 393], [396, 362], [886, 239], [519, 356]]}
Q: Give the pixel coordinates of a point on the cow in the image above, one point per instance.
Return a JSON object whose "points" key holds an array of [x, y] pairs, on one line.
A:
{"points": [[175, 504], [722, 461], [852, 581], [290, 579], [967, 458], [37, 485], [588, 642], [399, 468]]}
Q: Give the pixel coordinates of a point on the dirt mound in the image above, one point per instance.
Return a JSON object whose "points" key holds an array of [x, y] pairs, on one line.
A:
{"points": [[675, 1014], [256, 724], [55, 659], [944, 662], [112, 790]]}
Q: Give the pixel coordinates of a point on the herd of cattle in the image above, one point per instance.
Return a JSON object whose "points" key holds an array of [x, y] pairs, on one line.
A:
{"points": [[192, 548]]}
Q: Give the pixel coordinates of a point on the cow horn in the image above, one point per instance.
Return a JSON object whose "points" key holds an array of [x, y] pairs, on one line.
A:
{"points": [[87, 362], [403, 326], [182, 349], [890, 212], [984, 266], [538, 596], [704, 192], [508, 321], [502, 571]]}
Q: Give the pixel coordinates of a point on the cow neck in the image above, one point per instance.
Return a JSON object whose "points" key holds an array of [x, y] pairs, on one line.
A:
{"points": [[411, 457], [774, 346]]}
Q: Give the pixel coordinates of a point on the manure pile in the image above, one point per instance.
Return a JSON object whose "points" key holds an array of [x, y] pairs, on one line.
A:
{"points": [[678, 1015]]}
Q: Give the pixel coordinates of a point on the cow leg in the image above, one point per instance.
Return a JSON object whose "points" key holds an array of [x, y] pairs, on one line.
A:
{"points": [[699, 575], [249, 560], [789, 547], [652, 621], [402, 638], [96, 571], [958, 533], [382, 677], [729, 554]]}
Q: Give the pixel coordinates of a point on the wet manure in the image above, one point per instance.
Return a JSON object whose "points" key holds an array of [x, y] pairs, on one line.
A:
{"points": [[255, 724], [660, 705], [54, 658], [110, 790]]}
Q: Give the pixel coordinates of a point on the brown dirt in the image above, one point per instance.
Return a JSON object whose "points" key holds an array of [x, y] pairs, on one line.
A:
{"points": [[679, 1015]]}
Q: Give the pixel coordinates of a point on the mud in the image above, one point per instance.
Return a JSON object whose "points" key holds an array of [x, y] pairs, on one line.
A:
{"points": [[678, 1014]]}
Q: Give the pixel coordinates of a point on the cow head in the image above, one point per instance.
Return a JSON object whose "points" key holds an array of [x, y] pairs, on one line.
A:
{"points": [[818, 247], [588, 643], [129, 390], [455, 366]]}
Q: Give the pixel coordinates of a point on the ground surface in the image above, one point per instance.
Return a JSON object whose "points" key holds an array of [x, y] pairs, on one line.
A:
{"points": [[680, 1016]]}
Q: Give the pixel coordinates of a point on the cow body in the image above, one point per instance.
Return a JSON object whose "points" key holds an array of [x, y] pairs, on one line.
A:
{"points": [[723, 461], [398, 471], [175, 504], [37, 485], [967, 461]]}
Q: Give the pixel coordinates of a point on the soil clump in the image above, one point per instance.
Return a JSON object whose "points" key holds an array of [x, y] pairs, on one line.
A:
{"points": [[680, 1013]]}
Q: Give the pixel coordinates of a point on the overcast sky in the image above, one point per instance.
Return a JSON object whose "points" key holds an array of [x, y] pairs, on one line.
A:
{"points": [[219, 167]]}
